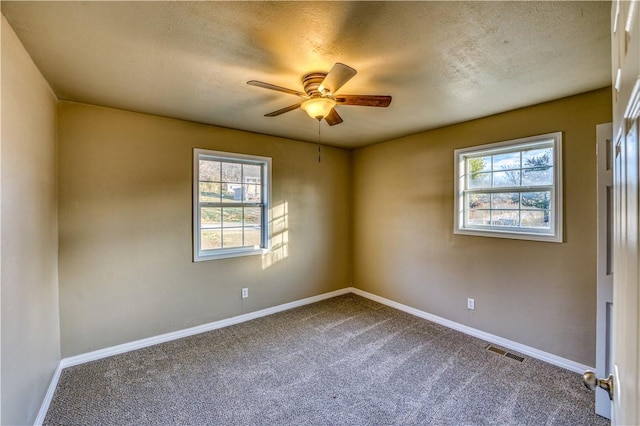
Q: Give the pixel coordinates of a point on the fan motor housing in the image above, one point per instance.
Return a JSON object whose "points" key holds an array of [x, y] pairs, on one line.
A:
{"points": [[312, 81]]}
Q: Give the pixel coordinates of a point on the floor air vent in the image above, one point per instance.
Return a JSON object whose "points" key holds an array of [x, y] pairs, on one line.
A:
{"points": [[496, 350], [505, 353], [513, 356]]}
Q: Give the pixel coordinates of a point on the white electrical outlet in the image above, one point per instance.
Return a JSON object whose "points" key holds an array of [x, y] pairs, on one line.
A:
{"points": [[471, 304], [245, 293]]}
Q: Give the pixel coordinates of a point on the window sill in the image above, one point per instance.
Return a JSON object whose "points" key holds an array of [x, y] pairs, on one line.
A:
{"points": [[229, 254], [509, 234]]}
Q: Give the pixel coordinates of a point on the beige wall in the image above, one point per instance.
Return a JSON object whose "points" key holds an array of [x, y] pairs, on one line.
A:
{"points": [[126, 269], [28, 267], [539, 294]]}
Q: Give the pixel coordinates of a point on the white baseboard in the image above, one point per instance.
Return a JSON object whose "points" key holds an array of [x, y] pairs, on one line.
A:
{"points": [[491, 338], [44, 407], [167, 337]]}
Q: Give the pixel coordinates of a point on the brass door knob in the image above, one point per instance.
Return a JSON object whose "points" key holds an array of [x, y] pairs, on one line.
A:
{"points": [[591, 381]]}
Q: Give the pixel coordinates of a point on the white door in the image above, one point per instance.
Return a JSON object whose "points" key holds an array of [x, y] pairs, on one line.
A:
{"points": [[626, 112], [604, 366]]}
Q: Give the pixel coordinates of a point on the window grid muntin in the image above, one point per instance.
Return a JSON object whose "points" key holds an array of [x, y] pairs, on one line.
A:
{"points": [[491, 153], [520, 209], [242, 182], [222, 227], [228, 205]]}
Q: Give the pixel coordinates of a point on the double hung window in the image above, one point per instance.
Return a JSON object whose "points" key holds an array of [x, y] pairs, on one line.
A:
{"points": [[230, 204], [511, 189]]}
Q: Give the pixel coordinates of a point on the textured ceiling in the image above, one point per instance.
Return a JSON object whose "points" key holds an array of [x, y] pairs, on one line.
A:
{"points": [[443, 62]]}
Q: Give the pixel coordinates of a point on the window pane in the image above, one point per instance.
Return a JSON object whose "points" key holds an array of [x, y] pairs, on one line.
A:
{"points": [[231, 216], [252, 193], [231, 192], [480, 180], [252, 173], [211, 217], [537, 158], [479, 217], [510, 178], [232, 237], [509, 200], [537, 176], [536, 200], [510, 160], [209, 171], [252, 216], [504, 217], [210, 239], [232, 172], [477, 165], [535, 219], [478, 201], [209, 192], [252, 237]]}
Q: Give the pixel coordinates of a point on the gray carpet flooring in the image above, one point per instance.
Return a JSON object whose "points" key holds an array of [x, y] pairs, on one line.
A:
{"points": [[342, 361]]}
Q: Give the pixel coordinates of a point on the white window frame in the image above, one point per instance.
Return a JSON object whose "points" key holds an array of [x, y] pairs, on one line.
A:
{"points": [[265, 202], [555, 234]]}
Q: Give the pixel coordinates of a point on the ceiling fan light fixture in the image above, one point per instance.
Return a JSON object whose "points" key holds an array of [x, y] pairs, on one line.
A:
{"points": [[318, 108], [319, 96]]}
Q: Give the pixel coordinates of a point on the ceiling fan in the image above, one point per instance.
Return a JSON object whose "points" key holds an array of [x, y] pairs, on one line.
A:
{"points": [[320, 94]]}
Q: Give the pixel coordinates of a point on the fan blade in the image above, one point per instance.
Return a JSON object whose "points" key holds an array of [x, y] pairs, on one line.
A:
{"points": [[283, 110], [336, 78], [364, 100], [333, 118], [278, 88]]}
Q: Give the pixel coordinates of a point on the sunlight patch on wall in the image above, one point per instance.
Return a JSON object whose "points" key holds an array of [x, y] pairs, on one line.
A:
{"points": [[279, 224]]}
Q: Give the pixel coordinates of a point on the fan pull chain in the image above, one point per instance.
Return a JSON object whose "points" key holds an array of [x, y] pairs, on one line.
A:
{"points": [[319, 157]]}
